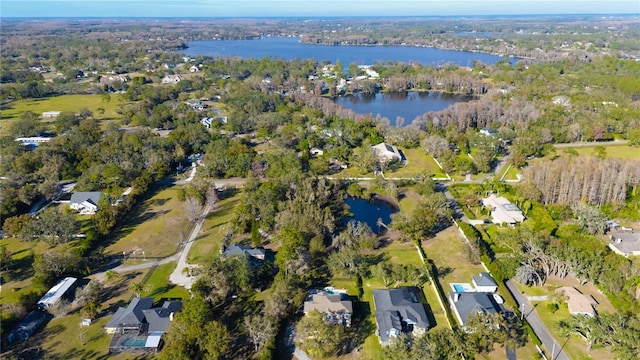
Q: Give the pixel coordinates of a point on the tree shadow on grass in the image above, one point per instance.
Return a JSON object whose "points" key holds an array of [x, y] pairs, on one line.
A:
{"points": [[361, 325]]}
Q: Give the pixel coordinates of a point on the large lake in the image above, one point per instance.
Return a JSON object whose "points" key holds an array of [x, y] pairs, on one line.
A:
{"points": [[406, 105], [291, 48]]}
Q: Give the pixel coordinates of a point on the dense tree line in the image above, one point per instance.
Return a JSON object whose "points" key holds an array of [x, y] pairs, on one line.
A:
{"points": [[568, 180]]}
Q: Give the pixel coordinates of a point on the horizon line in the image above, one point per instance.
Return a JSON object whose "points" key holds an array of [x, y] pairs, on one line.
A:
{"points": [[321, 16]]}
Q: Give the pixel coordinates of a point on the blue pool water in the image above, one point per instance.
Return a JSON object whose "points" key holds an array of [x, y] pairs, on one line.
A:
{"points": [[458, 288]]}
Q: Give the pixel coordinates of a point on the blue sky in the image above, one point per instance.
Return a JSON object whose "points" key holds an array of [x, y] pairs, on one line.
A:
{"points": [[307, 8]]}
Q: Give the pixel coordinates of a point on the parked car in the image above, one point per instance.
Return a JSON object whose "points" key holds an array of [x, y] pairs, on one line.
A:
{"points": [[498, 298]]}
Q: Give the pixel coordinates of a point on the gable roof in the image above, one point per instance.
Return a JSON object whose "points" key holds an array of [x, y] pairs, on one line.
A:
{"points": [[325, 303], [239, 249], [90, 196], [484, 279], [394, 307], [467, 304], [132, 315]]}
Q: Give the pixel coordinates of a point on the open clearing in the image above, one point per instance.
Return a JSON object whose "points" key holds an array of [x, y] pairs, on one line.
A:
{"points": [[613, 150], [154, 229]]}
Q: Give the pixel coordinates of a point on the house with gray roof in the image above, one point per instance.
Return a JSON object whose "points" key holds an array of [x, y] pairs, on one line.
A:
{"points": [[625, 244], [129, 318], [399, 311], [255, 255], [485, 283], [466, 305], [139, 327], [85, 202]]}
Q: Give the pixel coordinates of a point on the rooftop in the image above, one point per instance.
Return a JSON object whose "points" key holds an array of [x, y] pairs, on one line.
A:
{"points": [[325, 302], [625, 243], [578, 302], [502, 210], [398, 310], [466, 305]]}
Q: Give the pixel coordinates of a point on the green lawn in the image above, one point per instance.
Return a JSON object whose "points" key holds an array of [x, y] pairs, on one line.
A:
{"points": [[621, 151], [155, 228], [418, 162], [158, 285], [15, 109], [17, 280], [574, 346], [212, 233], [448, 252], [509, 173]]}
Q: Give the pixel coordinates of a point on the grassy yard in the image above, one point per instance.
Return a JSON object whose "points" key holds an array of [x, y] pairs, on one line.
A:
{"points": [[574, 346], [418, 162], [59, 338], [15, 109], [155, 228], [158, 286], [215, 225], [509, 173], [621, 151], [17, 280], [448, 251]]}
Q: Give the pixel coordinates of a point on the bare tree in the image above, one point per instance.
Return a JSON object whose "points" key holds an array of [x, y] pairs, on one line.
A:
{"points": [[211, 197], [261, 329], [192, 209]]}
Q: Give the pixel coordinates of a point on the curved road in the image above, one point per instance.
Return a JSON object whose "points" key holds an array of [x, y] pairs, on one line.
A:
{"points": [[556, 350]]}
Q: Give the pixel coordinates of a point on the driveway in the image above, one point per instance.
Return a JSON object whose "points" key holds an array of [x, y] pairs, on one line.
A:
{"points": [[553, 348]]}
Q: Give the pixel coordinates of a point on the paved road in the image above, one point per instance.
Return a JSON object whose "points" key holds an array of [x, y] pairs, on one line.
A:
{"points": [[536, 324], [177, 276]]}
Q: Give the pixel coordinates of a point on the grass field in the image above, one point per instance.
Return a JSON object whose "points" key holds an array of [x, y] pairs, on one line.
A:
{"points": [[17, 280], [621, 151], [418, 162], [158, 285], [15, 109], [155, 228], [215, 225]]}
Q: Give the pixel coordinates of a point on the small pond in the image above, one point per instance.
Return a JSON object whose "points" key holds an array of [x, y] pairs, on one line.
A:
{"points": [[370, 211]]}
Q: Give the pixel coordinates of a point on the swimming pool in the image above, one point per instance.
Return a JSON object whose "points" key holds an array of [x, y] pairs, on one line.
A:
{"points": [[458, 288], [134, 342]]}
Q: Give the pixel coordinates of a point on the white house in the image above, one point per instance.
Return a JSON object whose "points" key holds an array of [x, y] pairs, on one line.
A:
{"points": [[50, 114], [56, 293], [488, 132], [387, 153], [502, 210], [172, 79], [85, 203]]}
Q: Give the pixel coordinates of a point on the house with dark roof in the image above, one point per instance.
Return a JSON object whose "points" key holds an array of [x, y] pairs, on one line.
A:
{"points": [[129, 318], [335, 307], [255, 255], [625, 244], [139, 327], [485, 283], [466, 305], [399, 311], [86, 202]]}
